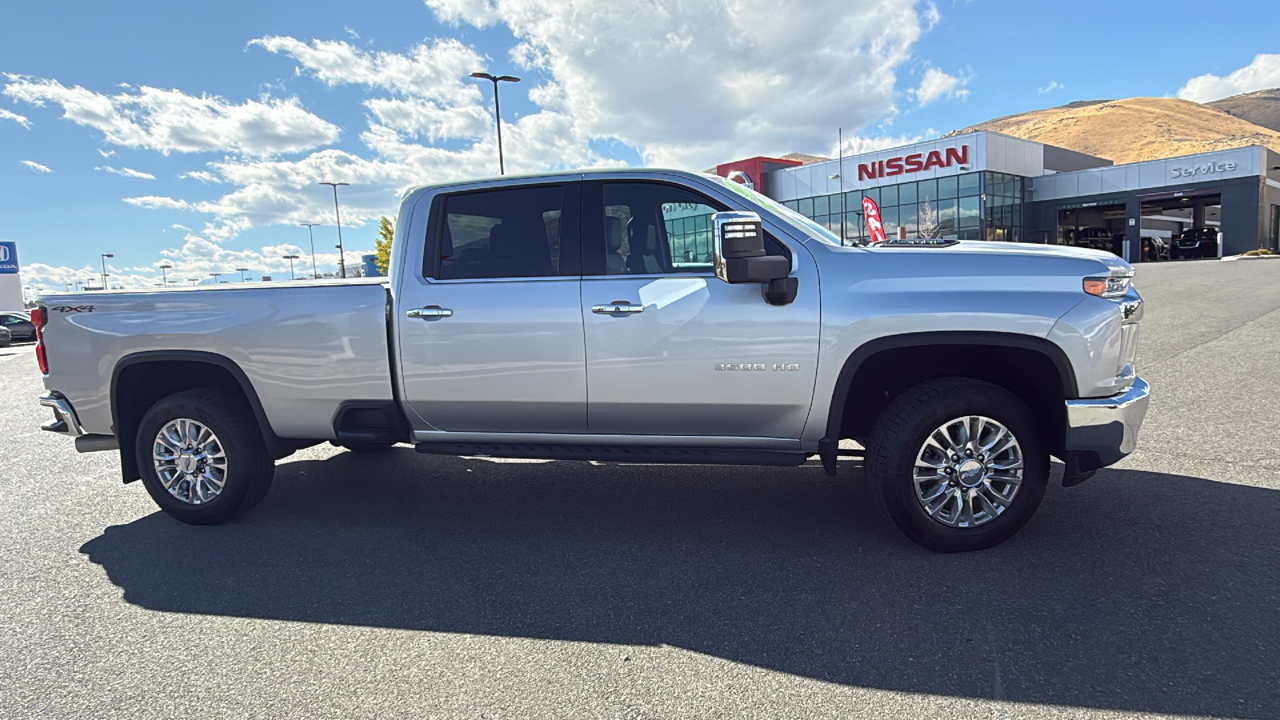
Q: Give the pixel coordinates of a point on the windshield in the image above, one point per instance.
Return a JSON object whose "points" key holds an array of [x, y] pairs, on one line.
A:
{"points": [[786, 214]]}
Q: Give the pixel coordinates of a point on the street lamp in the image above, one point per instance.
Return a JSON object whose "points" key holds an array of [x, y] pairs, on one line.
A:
{"points": [[242, 271], [164, 278], [193, 281], [342, 265], [104, 269], [497, 109], [291, 258], [311, 236], [215, 277]]}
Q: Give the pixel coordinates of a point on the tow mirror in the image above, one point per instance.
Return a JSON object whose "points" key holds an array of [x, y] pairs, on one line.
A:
{"points": [[740, 257]]}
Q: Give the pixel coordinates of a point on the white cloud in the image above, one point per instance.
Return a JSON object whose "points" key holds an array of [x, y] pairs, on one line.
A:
{"points": [[1053, 85], [936, 84], [172, 121], [1261, 74], [35, 166], [127, 172], [9, 115], [690, 84], [931, 15], [106, 153], [157, 202], [857, 145]]}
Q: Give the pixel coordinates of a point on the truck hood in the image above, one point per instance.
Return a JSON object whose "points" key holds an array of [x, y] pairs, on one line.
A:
{"points": [[1013, 249]]}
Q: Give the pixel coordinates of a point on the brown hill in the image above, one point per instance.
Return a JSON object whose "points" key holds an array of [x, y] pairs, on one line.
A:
{"points": [[1260, 108], [1134, 130]]}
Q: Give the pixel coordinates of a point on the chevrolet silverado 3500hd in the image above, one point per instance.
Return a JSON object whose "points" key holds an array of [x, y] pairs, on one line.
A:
{"points": [[631, 316]]}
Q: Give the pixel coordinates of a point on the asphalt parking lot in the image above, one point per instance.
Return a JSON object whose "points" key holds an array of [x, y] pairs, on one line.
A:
{"points": [[408, 585]]}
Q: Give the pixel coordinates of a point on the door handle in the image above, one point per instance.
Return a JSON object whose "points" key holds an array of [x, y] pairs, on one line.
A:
{"points": [[430, 312], [617, 307]]}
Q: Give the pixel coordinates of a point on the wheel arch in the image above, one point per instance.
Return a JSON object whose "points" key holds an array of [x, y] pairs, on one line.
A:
{"points": [[880, 369], [140, 379]]}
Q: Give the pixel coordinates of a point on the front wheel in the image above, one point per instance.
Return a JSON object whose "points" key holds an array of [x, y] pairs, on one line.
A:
{"points": [[202, 457], [957, 464]]}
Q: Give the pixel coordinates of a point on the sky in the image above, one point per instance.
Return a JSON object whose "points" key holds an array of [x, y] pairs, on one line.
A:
{"points": [[195, 135]]}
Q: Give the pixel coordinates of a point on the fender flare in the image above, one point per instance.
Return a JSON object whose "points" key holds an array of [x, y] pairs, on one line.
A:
{"points": [[830, 442]]}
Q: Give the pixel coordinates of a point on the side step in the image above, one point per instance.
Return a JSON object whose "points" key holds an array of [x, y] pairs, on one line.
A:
{"points": [[619, 454]]}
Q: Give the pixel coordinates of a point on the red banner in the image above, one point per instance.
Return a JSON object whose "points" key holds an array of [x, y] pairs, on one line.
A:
{"points": [[875, 229]]}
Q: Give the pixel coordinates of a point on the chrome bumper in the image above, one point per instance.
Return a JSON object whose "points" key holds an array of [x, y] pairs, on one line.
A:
{"points": [[1107, 427], [64, 421]]}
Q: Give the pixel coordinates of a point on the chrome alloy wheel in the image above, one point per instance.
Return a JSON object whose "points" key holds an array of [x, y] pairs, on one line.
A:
{"points": [[968, 471], [190, 461]]}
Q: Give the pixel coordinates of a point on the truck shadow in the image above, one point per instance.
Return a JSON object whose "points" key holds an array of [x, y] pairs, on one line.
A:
{"points": [[1136, 591]]}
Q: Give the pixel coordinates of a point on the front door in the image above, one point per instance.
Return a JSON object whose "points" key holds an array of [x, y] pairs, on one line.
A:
{"points": [[490, 329], [673, 350]]}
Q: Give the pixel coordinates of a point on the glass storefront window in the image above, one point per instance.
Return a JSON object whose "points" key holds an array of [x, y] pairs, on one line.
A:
{"points": [[805, 207], [889, 195], [947, 188], [927, 191], [889, 217], [852, 201], [969, 185], [969, 209], [947, 215], [874, 194], [822, 205], [907, 218], [907, 194]]}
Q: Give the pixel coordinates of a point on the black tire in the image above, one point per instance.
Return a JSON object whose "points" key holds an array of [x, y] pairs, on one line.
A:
{"points": [[901, 431], [249, 467], [367, 448]]}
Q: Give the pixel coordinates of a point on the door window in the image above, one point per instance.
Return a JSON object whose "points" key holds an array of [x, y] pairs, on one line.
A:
{"points": [[503, 233], [650, 228]]}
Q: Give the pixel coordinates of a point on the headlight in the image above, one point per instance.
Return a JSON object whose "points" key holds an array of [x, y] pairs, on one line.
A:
{"points": [[1112, 286]]}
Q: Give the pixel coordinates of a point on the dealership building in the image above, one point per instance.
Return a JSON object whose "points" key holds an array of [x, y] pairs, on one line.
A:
{"points": [[988, 186]]}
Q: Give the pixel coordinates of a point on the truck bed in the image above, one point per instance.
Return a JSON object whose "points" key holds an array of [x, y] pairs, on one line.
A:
{"points": [[306, 346]]}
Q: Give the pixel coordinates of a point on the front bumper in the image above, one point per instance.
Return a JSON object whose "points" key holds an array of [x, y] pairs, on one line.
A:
{"points": [[1101, 431]]}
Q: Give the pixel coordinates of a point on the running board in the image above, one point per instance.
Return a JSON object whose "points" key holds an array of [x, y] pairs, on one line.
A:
{"points": [[616, 453]]}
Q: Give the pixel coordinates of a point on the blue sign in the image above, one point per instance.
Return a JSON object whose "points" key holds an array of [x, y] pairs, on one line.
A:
{"points": [[8, 258]]}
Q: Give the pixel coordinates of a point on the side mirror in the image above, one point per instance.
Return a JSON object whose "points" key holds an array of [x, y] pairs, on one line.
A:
{"points": [[739, 250]]}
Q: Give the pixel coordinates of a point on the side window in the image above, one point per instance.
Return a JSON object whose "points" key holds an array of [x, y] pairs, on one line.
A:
{"points": [[650, 228], [503, 233]]}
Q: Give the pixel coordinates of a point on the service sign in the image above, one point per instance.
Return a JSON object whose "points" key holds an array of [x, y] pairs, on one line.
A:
{"points": [[8, 258]]}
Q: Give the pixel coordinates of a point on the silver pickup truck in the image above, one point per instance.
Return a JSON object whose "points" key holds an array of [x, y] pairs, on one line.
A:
{"points": [[639, 316]]}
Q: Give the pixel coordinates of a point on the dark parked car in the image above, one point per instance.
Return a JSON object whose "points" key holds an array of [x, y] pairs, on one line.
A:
{"points": [[1201, 242], [19, 326], [5, 337], [1154, 249]]}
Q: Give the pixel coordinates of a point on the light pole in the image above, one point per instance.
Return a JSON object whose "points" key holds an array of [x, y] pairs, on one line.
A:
{"points": [[242, 271], [497, 108], [104, 269], [291, 258], [342, 265], [164, 278], [215, 277], [315, 274], [193, 281]]}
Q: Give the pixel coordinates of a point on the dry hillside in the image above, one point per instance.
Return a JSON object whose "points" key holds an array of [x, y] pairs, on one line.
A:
{"points": [[1260, 108], [1134, 130]]}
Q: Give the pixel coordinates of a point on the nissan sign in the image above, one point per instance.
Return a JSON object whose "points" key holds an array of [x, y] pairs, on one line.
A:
{"points": [[913, 163], [8, 258]]}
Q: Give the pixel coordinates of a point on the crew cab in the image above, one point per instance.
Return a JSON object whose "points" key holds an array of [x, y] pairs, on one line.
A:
{"points": [[1199, 242], [639, 316]]}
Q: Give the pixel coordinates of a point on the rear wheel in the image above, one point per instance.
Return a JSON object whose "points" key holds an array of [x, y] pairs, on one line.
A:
{"points": [[957, 464], [202, 457]]}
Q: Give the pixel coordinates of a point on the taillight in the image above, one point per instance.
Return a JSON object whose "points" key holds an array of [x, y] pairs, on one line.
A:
{"points": [[40, 316]]}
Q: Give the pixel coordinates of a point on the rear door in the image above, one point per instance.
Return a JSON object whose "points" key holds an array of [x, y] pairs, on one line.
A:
{"points": [[490, 327], [673, 350]]}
